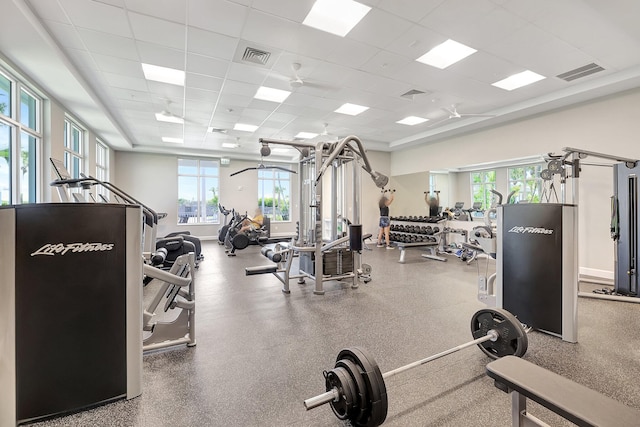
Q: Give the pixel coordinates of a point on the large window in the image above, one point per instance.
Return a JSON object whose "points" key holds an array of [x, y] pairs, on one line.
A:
{"points": [[20, 139], [198, 186], [73, 148], [102, 166], [526, 182], [481, 185], [274, 194]]}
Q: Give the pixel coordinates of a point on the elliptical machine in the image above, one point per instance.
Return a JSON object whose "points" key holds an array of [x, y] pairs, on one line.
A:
{"points": [[234, 240], [222, 233]]}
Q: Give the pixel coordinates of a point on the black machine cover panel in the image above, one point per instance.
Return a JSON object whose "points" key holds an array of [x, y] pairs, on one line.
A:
{"points": [[532, 264], [70, 307]]}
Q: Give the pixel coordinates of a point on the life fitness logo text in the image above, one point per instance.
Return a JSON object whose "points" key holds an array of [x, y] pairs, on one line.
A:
{"points": [[62, 249], [530, 230]]}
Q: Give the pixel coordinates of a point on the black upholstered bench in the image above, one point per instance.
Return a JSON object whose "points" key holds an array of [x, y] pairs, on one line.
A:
{"points": [[574, 402]]}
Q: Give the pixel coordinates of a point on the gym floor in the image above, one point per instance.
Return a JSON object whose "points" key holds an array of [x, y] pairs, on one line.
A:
{"points": [[260, 353]]}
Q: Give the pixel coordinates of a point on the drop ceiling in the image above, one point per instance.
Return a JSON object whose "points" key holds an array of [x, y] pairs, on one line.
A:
{"points": [[88, 55]]}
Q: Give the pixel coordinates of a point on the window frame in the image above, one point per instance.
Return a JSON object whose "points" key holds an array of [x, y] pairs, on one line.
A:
{"points": [[69, 152], [484, 184], [284, 208], [200, 218], [527, 195], [22, 176]]}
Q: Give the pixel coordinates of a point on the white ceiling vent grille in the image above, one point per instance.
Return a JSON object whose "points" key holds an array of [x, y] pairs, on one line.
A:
{"points": [[256, 56], [580, 72]]}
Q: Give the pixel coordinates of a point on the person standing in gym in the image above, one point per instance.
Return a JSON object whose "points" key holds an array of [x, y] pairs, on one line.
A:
{"points": [[433, 202], [385, 222]]}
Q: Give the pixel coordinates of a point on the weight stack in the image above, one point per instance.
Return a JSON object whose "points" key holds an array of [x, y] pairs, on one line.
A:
{"points": [[70, 298], [337, 262]]}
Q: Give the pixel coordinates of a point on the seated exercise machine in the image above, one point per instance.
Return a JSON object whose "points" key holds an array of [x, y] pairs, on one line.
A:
{"points": [[176, 288]]}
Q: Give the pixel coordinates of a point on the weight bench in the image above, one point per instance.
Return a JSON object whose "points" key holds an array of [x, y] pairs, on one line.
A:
{"points": [[364, 239], [430, 246], [574, 402], [260, 269]]}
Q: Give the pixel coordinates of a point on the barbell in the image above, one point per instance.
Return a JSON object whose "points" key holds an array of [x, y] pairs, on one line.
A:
{"points": [[355, 386]]}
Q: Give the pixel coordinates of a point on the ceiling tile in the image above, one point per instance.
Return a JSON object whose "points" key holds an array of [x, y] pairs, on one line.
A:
{"points": [[210, 44], [195, 94], [456, 13], [82, 59], [157, 31], [291, 10], [386, 63], [379, 28], [49, 10], [201, 64], [351, 53], [411, 10], [311, 42], [247, 73], [120, 66], [198, 81], [268, 29], [126, 94], [159, 55], [125, 82], [219, 16], [65, 34], [415, 42], [174, 10], [165, 90], [97, 16], [107, 44]]}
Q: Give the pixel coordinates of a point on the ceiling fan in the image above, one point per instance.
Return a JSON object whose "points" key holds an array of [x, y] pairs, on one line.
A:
{"points": [[296, 81], [454, 114], [168, 115]]}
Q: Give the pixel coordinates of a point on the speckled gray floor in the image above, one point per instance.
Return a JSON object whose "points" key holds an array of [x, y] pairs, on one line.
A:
{"points": [[260, 353]]}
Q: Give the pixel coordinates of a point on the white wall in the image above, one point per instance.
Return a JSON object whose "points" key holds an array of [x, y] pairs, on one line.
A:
{"points": [[153, 179], [609, 125]]}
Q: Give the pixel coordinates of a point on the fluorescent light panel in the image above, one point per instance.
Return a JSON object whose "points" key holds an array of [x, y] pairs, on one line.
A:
{"points": [[173, 140], [336, 16], [446, 54], [306, 135], [271, 94], [245, 127], [163, 74], [351, 109], [412, 121], [280, 150], [229, 145], [518, 80], [169, 119]]}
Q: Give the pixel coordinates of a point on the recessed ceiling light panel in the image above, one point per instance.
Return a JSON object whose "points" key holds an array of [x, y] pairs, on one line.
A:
{"points": [[412, 121], [518, 80], [351, 109], [446, 54], [169, 118], [306, 135], [245, 127], [336, 16], [163, 74], [229, 145], [173, 140], [271, 94]]}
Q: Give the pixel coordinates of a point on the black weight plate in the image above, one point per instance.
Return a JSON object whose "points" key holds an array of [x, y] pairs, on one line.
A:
{"points": [[377, 403], [340, 379], [512, 338], [360, 388]]}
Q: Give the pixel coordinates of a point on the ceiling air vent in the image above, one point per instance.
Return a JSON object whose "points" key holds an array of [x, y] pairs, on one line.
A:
{"points": [[580, 72], [256, 56]]}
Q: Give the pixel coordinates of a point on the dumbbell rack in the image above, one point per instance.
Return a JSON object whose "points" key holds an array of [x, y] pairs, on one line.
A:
{"points": [[414, 229]]}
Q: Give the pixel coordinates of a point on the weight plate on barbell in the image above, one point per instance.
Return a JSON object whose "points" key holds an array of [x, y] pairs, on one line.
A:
{"points": [[355, 372], [345, 408], [376, 391], [512, 339]]}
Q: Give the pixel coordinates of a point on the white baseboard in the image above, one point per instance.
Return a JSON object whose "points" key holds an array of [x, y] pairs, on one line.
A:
{"points": [[596, 276]]}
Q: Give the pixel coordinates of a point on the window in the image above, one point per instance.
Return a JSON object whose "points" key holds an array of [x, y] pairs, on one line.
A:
{"points": [[20, 141], [274, 194], [526, 182], [73, 148], [481, 185], [198, 186], [102, 166]]}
